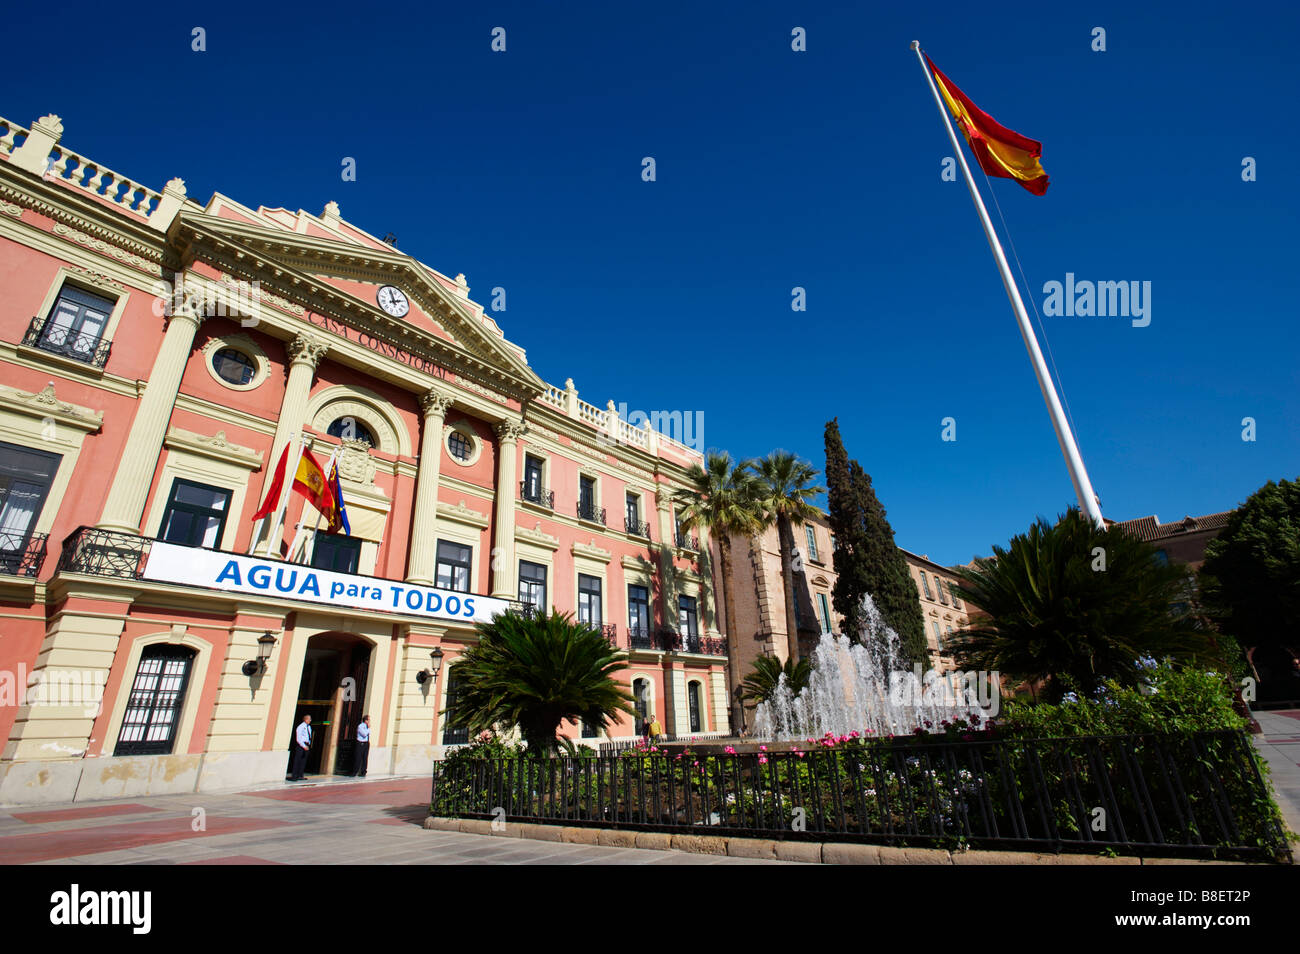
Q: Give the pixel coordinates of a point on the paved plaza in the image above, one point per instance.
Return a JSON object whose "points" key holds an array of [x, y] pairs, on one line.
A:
{"points": [[377, 821]]}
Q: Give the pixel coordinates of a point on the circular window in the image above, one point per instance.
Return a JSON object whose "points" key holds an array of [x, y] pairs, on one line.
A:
{"points": [[236, 362], [462, 444], [350, 429], [233, 367]]}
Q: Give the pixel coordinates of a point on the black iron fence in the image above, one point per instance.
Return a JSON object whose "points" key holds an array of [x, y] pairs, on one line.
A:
{"points": [[538, 495], [104, 553], [61, 339], [627, 745], [637, 527], [1193, 794], [22, 555]]}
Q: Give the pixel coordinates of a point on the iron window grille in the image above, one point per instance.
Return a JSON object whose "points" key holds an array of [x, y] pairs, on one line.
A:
{"points": [[154, 706]]}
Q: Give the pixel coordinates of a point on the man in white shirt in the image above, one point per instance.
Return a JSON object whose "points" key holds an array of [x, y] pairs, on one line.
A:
{"points": [[302, 745], [363, 748]]}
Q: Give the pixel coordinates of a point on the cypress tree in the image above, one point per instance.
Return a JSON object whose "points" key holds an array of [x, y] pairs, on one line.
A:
{"points": [[866, 558]]}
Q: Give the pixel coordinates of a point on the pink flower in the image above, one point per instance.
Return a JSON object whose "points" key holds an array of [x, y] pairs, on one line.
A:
{"points": [[854, 734], [762, 748], [762, 760], [729, 750]]}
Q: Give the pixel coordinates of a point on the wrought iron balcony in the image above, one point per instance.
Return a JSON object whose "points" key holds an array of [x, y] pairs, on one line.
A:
{"points": [[537, 495], [637, 527], [705, 645], [19, 556], [640, 637], [104, 553], [591, 513], [90, 349], [610, 632], [687, 541]]}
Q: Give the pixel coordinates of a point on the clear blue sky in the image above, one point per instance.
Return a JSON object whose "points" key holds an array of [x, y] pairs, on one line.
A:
{"points": [[775, 169]]}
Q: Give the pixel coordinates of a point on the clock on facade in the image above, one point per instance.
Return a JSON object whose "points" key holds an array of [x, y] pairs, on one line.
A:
{"points": [[392, 300]]}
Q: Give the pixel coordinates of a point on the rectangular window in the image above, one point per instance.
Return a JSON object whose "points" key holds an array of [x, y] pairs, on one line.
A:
{"points": [[588, 730], [532, 479], [826, 612], [453, 566], [812, 542], [335, 552], [532, 585], [834, 546], [589, 610], [195, 515], [938, 585], [926, 584], [25, 478], [76, 324], [938, 639], [952, 591], [587, 493], [693, 705], [633, 514], [638, 609], [688, 623]]}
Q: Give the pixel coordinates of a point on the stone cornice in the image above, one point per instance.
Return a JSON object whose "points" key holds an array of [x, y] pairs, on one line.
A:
{"points": [[590, 551], [216, 447], [460, 513], [46, 405], [81, 214], [538, 537]]}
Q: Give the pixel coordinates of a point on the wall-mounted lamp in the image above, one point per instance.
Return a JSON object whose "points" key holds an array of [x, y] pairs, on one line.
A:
{"points": [[256, 667], [424, 675]]}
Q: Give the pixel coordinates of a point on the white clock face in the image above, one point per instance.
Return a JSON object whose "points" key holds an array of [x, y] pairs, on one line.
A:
{"points": [[393, 301]]}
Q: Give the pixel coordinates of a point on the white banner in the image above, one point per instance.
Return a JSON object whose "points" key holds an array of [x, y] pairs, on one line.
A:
{"points": [[194, 566]]}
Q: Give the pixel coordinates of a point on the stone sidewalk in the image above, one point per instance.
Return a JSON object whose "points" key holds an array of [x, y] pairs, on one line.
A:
{"points": [[1279, 744], [378, 821]]}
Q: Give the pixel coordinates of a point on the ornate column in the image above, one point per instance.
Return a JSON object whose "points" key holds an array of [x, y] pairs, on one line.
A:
{"points": [[305, 354], [124, 507], [503, 552], [422, 549]]}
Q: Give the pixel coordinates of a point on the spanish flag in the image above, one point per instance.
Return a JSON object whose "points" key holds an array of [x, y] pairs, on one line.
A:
{"points": [[1000, 151], [338, 517], [309, 480]]}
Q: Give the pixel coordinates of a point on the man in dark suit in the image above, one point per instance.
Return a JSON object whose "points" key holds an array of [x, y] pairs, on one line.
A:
{"points": [[301, 746], [362, 755]]}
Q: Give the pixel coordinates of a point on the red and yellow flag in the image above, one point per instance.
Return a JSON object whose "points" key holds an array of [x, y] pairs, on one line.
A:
{"points": [[1000, 151], [311, 482]]}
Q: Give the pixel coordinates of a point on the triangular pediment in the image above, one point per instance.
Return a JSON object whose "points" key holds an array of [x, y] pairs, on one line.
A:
{"points": [[342, 278]]}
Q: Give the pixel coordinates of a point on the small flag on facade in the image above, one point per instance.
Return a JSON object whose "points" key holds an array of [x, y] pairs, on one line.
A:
{"points": [[310, 481], [1000, 151], [338, 518], [272, 500]]}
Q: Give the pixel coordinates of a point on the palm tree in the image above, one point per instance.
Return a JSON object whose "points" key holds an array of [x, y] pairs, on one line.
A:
{"points": [[723, 497], [786, 491], [766, 675], [533, 672], [1073, 605]]}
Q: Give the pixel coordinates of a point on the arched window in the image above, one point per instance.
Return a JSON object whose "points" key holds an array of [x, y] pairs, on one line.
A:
{"points": [[350, 429], [154, 707]]}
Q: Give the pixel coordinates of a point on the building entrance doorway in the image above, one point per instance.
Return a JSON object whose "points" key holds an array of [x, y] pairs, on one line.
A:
{"points": [[332, 691]]}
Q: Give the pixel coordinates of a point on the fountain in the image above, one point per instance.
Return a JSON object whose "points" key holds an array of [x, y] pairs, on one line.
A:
{"points": [[863, 687]]}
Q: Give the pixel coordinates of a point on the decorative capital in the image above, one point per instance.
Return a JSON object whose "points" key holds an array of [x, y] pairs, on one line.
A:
{"points": [[304, 349], [52, 123], [434, 403], [511, 429]]}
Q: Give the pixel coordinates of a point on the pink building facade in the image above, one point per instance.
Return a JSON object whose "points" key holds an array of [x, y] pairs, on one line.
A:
{"points": [[156, 358]]}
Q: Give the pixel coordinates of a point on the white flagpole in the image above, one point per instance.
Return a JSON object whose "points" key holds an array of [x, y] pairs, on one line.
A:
{"points": [[291, 471], [293, 547], [1073, 461]]}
